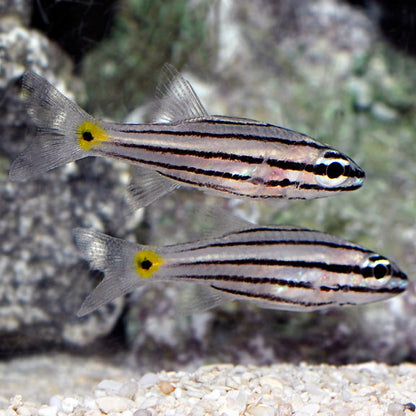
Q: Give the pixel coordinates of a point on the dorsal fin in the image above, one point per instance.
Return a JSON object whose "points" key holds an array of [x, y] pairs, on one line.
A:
{"points": [[176, 100]]}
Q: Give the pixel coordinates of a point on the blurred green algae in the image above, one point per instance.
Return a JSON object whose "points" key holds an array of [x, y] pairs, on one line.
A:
{"points": [[121, 71]]}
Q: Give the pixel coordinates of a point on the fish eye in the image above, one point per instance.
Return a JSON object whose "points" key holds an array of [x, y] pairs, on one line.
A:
{"points": [[334, 170], [329, 170], [376, 271], [380, 271]]}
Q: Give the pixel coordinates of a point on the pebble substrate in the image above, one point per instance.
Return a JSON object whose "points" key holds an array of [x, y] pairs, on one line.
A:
{"points": [[368, 389]]}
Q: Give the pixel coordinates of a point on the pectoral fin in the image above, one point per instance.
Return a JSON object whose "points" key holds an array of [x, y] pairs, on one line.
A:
{"points": [[147, 186], [199, 298]]}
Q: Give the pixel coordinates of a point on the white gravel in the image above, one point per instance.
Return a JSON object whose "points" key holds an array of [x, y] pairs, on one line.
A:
{"points": [[368, 389]]}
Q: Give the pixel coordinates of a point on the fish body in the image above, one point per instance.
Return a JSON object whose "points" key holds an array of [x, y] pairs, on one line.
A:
{"points": [[223, 155], [234, 157], [283, 267]]}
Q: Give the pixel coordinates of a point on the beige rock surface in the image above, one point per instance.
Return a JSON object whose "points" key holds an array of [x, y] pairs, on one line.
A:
{"points": [[63, 385]]}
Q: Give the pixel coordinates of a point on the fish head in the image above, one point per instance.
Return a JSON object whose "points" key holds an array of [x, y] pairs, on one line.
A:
{"points": [[380, 272], [334, 171], [375, 278]]}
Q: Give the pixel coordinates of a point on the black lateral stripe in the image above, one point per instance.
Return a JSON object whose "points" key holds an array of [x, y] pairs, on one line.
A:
{"points": [[254, 229], [329, 267], [198, 171], [224, 188], [272, 298], [283, 183], [249, 280], [236, 136], [212, 120], [190, 152], [321, 169], [226, 175], [238, 121], [361, 289], [283, 242], [334, 189], [309, 186], [281, 164], [290, 165], [218, 120]]}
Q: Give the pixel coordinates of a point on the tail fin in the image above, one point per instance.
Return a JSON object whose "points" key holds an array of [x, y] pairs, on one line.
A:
{"points": [[113, 256], [58, 120]]}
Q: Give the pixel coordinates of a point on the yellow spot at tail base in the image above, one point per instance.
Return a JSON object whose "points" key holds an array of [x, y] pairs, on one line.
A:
{"points": [[90, 134], [147, 262]]}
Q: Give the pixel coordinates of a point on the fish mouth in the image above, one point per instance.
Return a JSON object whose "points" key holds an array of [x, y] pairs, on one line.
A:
{"points": [[355, 171], [355, 174], [398, 274], [399, 279], [359, 174]]}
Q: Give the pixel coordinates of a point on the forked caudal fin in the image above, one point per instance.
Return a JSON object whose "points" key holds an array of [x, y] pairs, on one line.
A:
{"points": [[59, 124], [126, 265]]}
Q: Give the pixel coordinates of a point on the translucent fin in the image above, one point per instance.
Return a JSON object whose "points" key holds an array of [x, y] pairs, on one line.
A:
{"points": [[199, 298], [105, 292], [57, 119], [114, 257], [147, 186], [176, 99], [219, 221]]}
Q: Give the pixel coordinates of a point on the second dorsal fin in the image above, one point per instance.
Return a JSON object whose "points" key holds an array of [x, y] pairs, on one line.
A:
{"points": [[176, 100]]}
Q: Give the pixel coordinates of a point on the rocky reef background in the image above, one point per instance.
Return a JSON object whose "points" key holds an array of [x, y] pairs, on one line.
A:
{"points": [[336, 70]]}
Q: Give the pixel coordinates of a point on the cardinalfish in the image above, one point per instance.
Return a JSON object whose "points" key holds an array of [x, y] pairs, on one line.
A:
{"points": [[187, 146], [280, 267]]}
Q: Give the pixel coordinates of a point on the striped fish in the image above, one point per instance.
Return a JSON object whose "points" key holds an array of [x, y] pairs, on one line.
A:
{"points": [[278, 267], [223, 155]]}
